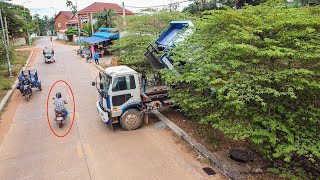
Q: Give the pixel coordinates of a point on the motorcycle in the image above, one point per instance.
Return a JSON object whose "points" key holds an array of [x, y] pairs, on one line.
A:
{"points": [[61, 118], [27, 92], [50, 38], [80, 52]]}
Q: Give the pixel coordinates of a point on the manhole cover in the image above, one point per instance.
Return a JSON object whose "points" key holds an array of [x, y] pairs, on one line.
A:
{"points": [[240, 155], [209, 171]]}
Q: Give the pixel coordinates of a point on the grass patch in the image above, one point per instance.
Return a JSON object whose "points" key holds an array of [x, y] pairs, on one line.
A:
{"points": [[74, 44], [17, 62], [62, 41]]}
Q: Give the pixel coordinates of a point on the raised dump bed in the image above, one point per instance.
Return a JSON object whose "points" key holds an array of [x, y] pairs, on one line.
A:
{"points": [[175, 32]]}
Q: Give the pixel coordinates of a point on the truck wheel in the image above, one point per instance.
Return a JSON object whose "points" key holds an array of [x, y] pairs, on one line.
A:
{"points": [[131, 119]]}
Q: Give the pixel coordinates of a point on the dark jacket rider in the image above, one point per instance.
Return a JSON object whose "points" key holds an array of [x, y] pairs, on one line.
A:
{"points": [[27, 82]]}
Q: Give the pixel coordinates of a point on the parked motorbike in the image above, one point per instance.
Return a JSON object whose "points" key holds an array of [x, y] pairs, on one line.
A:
{"points": [[80, 52], [27, 92]]}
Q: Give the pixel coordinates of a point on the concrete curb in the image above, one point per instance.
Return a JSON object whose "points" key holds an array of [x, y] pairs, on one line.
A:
{"points": [[97, 66], [13, 87], [214, 160]]}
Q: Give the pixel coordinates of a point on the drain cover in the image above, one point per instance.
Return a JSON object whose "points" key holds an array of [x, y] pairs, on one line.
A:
{"points": [[240, 155], [209, 171]]}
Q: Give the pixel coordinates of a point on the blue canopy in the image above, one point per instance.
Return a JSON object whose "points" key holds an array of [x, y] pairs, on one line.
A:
{"points": [[106, 35], [108, 29], [94, 39]]}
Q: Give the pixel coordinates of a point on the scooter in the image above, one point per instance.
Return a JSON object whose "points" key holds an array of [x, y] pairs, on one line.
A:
{"points": [[61, 117], [80, 52]]}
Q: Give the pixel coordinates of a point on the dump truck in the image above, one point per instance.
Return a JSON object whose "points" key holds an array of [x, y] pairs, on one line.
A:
{"points": [[122, 96]]}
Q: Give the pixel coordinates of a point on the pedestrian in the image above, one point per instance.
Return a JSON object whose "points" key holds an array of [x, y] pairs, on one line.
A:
{"points": [[96, 58]]}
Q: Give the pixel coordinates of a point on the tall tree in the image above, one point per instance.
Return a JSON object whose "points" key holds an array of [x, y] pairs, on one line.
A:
{"points": [[17, 18], [106, 18], [72, 7]]}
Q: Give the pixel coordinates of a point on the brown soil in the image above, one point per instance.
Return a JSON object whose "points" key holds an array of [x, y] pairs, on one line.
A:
{"points": [[8, 115], [215, 141]]}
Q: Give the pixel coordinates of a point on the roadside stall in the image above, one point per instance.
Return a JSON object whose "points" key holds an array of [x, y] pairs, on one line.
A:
{"points": [[100, 40]]}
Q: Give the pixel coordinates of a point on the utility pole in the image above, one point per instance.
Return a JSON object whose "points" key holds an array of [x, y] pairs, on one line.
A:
{"points": [[38, 21], [91, 24], [7, 31], [78, 23], [124, 16], [5, 44]]}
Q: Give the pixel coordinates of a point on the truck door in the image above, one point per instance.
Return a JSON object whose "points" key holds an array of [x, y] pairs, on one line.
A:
{"points": [[123, 91]]}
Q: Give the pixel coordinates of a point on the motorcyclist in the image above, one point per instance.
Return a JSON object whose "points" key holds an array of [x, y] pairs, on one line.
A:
{"points": [[59, 103], [50, 38], [45, 51], [26, 82]]}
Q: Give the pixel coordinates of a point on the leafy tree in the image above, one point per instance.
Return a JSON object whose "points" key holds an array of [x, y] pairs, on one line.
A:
{"points": [[17, 18], [254, 74], [106, 18], [87, 29], [203, 5]]}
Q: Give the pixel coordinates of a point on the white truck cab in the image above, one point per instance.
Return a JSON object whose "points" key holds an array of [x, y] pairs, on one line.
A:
{"points": [[121, 99]]}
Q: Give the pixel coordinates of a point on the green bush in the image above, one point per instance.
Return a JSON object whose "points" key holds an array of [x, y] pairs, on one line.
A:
{"points": [[5, 85], [263, 62]]}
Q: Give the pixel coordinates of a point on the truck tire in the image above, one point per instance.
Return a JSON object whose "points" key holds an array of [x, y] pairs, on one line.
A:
{"points": [[131, 119]]}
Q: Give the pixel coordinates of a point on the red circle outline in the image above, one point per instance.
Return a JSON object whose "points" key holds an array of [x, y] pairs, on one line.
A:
{"points": [[74, 108]]}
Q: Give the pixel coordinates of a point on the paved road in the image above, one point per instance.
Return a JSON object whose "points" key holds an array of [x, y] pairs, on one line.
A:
{"points": [[91, 150]]}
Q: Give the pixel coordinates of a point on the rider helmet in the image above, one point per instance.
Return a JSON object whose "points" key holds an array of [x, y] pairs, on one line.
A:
{"points": [[58, 95]]}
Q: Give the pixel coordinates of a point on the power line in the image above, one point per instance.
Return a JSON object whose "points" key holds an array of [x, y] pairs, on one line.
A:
{"points": [[164, 5]]}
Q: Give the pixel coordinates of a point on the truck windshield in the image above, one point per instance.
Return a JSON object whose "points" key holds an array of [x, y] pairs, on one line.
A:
{"points": [[106, 81]]}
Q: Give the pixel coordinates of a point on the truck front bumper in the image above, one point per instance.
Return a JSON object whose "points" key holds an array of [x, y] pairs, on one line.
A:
{"points": [[104, 115]]}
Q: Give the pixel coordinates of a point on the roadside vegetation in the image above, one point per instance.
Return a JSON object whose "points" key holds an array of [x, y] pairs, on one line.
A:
{"points": [[18, 60], [251, 73]]}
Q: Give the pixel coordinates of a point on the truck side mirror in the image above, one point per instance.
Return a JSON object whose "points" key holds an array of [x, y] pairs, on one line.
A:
{"points": [[101, 86], [93, 83]]}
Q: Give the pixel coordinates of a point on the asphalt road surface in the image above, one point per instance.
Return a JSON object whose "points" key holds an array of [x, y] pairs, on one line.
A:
{"points": [[91, 150]]}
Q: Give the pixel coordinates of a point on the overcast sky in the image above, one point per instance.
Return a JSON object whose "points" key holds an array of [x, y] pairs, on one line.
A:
{"points": [[44, 6]]}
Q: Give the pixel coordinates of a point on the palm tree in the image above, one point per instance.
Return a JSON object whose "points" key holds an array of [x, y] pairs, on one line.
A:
{"points": [[72, 7], [87, 28], [106, 18]]}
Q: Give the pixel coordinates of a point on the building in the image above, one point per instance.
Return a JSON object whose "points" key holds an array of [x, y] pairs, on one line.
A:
{"points": [[63, 21], [87, 14]]}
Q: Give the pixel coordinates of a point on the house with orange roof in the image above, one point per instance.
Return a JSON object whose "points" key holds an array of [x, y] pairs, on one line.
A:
{"points": [[87, 14]]}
